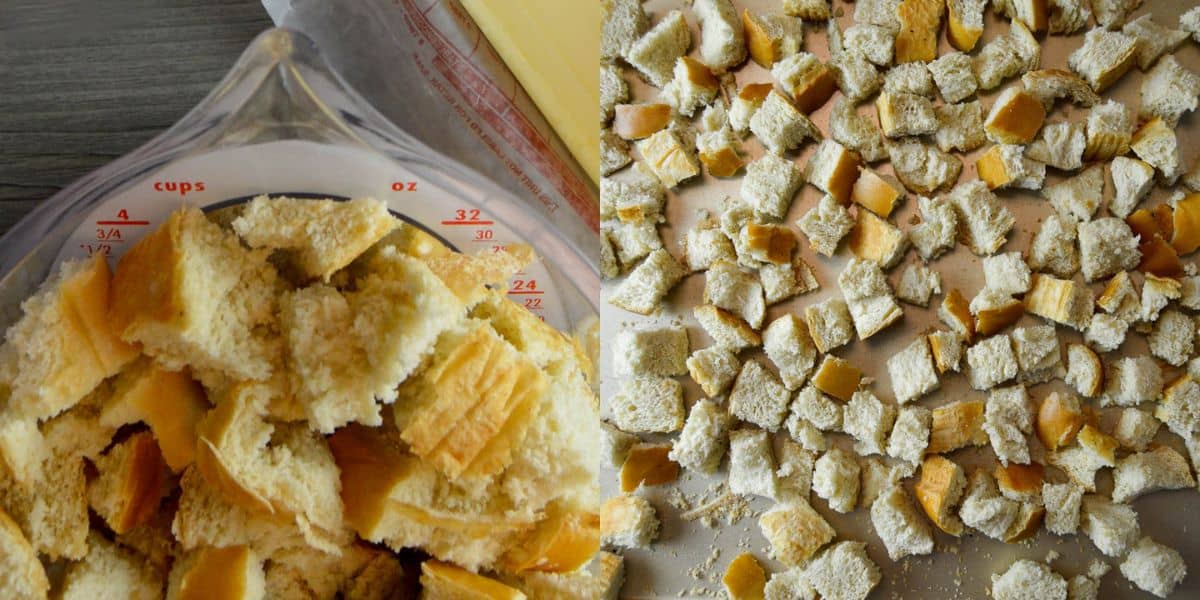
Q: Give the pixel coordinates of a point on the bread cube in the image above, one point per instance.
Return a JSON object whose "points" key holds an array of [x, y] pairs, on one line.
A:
{"points": [[615, 444], [751, 463], [640, 121], [816, 408], [770, 184], [1063, 501], [781, 282], [704, 245], [648, 464], [693, 87], [857, 77], [1007, 273], [947, 350], [936, 232], [701, 444], [939, 490], [648, 405], [1135, 429], [792, 583], [1005, 165], [1154, 568], [628, 521], [780, 126], [654, 54], [956, 314], [1052, 249], [1190, 21], [758, 397], [795, 532], [1179, 408], [1037, 353], [991, 362], [659, 351], [869, 298], [920, 21], [613, 89], [837, 378], [1022, 483], [1061, 301], [954, 78], [873, 41], [957, 425], [1061, 145], [910, 434], [1005, 56], [770, 38], [1030, 12], [912, 372], [1008, 416], [878, 12], [987, 220], [856, 132], [1155, 143], [809, 81], [1132, 180], [787, 344], [1157, 292], [728, 287], [1084, 372], [965, 24], [794, 476], [911, 78], [1080, 462], [1049, 85], [878, 476], [877, 240], [1026, 578], [1130, 381], [876, 193], [1106, 246], [833, 169], [745, 104], [809, 10], [902, 114], [960, 126], [917, 284], [713, 368], [614, 153], [744, 579], [643, 289], [1106, 332], [843, 570], [994, 310], [767, 244], [722, 40], [632, 241], [667, 157], [1104, 57], [1168, 91], [869, 420], [1172, 337], [1111, 14], [1153, 40], [1067, 17], [984, 509], [903, 531], [1109, 131], [1015, 117], [825, 225], [725, 328], [922, 168], [1161, 468], [624, 22], [836, 479], [1113, 528]]}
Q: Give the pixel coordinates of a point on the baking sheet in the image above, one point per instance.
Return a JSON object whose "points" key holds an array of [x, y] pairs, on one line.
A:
{"points": [[682, 563]]}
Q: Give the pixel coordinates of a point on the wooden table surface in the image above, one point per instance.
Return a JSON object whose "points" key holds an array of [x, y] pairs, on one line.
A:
{"points": [[83, 82]]}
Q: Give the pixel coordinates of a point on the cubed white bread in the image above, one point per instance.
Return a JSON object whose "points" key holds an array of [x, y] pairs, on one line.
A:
{"points": [[877, 12], [856, 132], [655, 52], [1112, 527], [770, 184], [836, 479], [628, 521], [987, 221], [24, 576], [1005, 56], [1132, 180], [1061, 145], [1015, 117], [1048, 85], [833, 169], [902, 114], [912, 371], [1078, 197], [728, 287], [862, 279], [795, 532], [110, 571], [781, 282], [994, 310], [965, 23], [856, 76], [615, 444], [1084, 372], [1157, 292], [843, 570], [1156, 143], [873, 41], [825, 225], [873, 314], [912, 78], [1061, 301], [1063, 502], [1153, 40], [794, 476], [650, 351], [910, 434], [693, 87], [132, 478], [648, 404], [984, 509], [624, 22], [704, 245], [903, 531], [1008, 418], [751, 463], [1121, 299], [807, 435], [614, 153], [1189, 288], [1106, 332], [726, 329], [809, 81], [713, 369], [745, 104], [1154, 568], [758, 397], [918, 283], [1005, 165], [1052, 249], [921, 167], [722, 40], [939, 491], [770, 38], [644, 288], [1111, 14], [1033, 14], [877, 476], [613, 90], [1038, 354], [1168, 91], [960, 126], [1110, 130], [1190, 22], [1140, 473], [991, 362], [1104, 57], [947, 350], [1179, 408], [1029, 579], [780, 126], [788, 345], [1132, 380], [936, 232], [954, 77], [812, 406], [791, 584], [1106, 246], [869, 420], [877, 240], [1173, 337], [1068, 16], [667, 156], [631, 241], [1006, 273]]}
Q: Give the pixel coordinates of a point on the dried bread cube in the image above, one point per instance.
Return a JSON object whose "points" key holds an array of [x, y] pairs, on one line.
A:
{"points": [[744, 579], [902, 114], [837, 378], [780, 126], [701, 444], [947, 350], [758, 397], [816, 408], [713, 369], [641, 120], [614, 153], [109, 570], [873, 41], [984, 509], [657, 351], [1028, 579], [770, 38], [912, 371], [1106, 246], [939, 490], [795, 532], [910, 434], [857, 78], [751, 463], [704, 245], [1157, 292], [917, 284], [922, 168], [1068, 16], [237, 572], [956, 313], [826, 224], [836, 479], [1179, 408], [1006, 273], [693, 87], [1104, 57], [1112, 527], [1173, 337], [878, 476], [791, 584], [1037, 353], [770, 184], [994, 310], [788, 345], [920, 22], [1168, 91], [877, 193], [648, 404], [131, 481], [728, 287], [912, 78], [1111, 14], [877, 12], [722, 40], [1063, 502], [766, 244], [667, 158], [655, 52], [991, 362], [936, 232], [781, 282], [877, 240], [1005, 165], [1049, 85], [843, 570], [745, 104], [1132, 180], [1006, 55], [613, 90], [1120, 299], [615, 444], [1106, 332], [624, 22], [960, 126], [833, 169], [1061, 145], [869, 420], [903, 531], [954, 77], [635, 199], [1033, 14], [987, 221], [809, 10], [1154, 568], [1008, 417], [856, 132], [868, 297], [25, 577], [1014, 118], [1153, 40], [726, 329], [1140, 473], [1078, 198], [1080, 462], [628, 521], [809, 81], [965, 24], [1155, 142], [1109, 129], [1132, 380], [1084, 372], [1052, 249], [957, 425], [794, 475], [643, 289]]}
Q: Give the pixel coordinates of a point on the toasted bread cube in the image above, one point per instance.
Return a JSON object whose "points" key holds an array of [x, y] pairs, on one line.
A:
{"points": [[132, 479], [1172, 337], [877, 240], [994, 310], [1153, 40], [873, 41], [1185, 237], [648, 405], [751, 463], [809, 81], [957, 425], [628, 521], [1156, 293], [722, 40], [758, 397], [1106, 332], [788, 345], [1006, 55], [912, 372], [922, 168], [987, 220], [1061, 145], [1179, 408], [869, 420], [795, 532], [954, 78], [744, 578], [1135, 429], [701, 444], [857, 77], [640, 121], [780, 126], [1084, 372], [833, 169], [1015, 117], [1155, 143], [1061, 301], [1052, 249], [903, 114], [876, 193], [693, 87], [1022, 483], [897, 523], [1007, 417], [956, 314], [960, 126], [1037, 353], [745, 104], [1131, 381], [935, 234], [644, 288], [965, 24], [713, 369], [770, 38], [1132, 180], [984, 509], [1104, 57], [836, 479], [1153, 567], [666, 156], [650, 352], [856, 132], [1063, 502], [770, 184], [1106, 246], [947, 350], [1168, 91], [1161, 468], [837, 378], [826, 224], [1004, 165], [1025, 577], [917, 284], [1112, 527], [781, 282], [654, 54], [1049, 85], [726, 329], [920, 22], [939, 490], [911, 78], [648, 464], [910, 434], [1109, 131]]}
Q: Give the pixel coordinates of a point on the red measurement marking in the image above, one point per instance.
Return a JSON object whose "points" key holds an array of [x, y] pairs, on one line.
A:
{"points": [[468, 223], [122, 222], [525, 292]]}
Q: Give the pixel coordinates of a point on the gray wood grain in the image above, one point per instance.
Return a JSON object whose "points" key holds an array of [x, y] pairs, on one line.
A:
{"points": [[83, 82]]}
